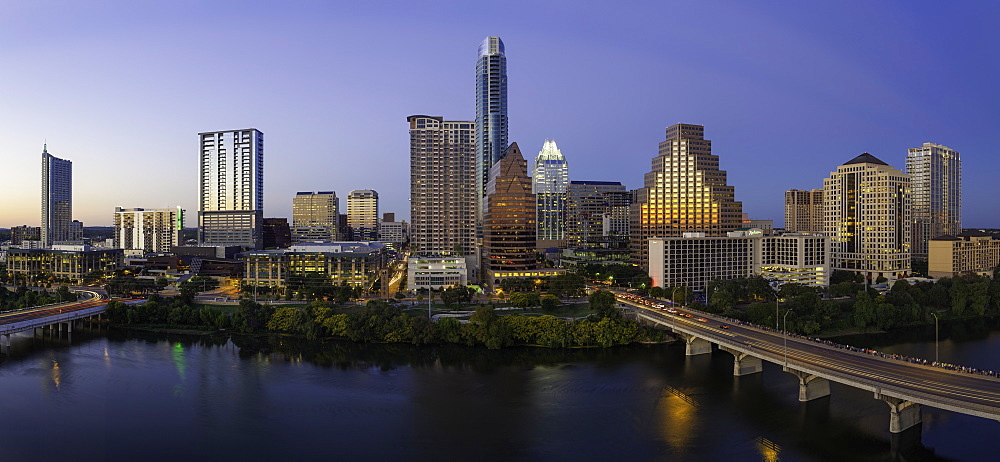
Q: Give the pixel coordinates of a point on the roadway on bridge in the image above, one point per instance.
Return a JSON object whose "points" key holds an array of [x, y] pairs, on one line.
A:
{"points": [[95, 299], [976, 391]]}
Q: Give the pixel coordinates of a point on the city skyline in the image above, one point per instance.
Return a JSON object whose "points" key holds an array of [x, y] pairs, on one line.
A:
{"points": [[782, 88]]}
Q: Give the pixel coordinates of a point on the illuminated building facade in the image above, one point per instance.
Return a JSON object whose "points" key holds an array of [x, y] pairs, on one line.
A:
{"points": [[695, 260], [936, 194], [804, 211], [444, 204], [549, 182], [436, 272], [315, 215], [684, 192], [72, 264], [278, 268], [148, 230], [231, 208], [57, 199], [586, 204], [867, 211], [509, 223], [362, 214], [969, 252], [491, 111]]}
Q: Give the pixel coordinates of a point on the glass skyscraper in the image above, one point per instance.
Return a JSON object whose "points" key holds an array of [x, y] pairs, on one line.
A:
{"points": [[936, 194], [57, 198], [549, 183], [231, 180], [491, 111]]}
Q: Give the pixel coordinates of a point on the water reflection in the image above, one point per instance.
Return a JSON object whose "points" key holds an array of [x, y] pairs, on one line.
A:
{"points": [[679, 418]]}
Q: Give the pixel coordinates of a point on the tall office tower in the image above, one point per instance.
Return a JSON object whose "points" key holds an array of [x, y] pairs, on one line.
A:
{"points": [[148, 230], [231, 209], [804, 211], [615, 222], [586, 204], [684, 192], [443, 199], [936, 194], [57, 198], [362, 214], [867, 209], [314, 215], [276, 233], [491, 111], [549, 183], [509, 222]]}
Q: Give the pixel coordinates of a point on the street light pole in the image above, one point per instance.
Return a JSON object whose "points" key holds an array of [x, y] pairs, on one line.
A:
{"points": [[785, 321], [935, 336]]}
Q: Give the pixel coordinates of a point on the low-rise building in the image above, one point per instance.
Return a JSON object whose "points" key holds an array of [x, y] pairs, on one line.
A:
{"points": [[71, 263], [695, 259], [277, 268], [436, 272], [968, 252]]}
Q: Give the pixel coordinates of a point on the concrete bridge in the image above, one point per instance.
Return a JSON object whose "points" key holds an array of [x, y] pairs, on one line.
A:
{"points": [[61, 316], [902, 385]]}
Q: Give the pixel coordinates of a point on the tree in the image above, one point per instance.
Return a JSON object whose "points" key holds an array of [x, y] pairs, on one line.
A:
{"points": [[549, 302], [864, 310], [603, 303]]}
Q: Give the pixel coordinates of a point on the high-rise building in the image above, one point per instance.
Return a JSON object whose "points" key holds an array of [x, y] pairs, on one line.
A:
{"points": [[443, 199], [19, 234], [314, 216], [231, 208], [685, 191], [509, 223], [57, 198], [586, 204], [867, 204], [804, 211], [276, 233], [616, 222], [148, 230], [549, 184], [362, 214], [491, 111], [936, 194]]}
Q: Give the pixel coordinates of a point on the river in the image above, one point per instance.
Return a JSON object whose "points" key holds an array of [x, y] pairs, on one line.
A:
{"points": [[125, 395]]}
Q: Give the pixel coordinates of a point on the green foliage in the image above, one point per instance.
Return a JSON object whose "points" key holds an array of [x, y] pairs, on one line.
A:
{"points": [[604, 304], [549, 302]]}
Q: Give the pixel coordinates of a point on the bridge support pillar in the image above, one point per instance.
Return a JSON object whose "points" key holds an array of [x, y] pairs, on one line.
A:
{"points": [[811, 386], [69, 327], [695, 346], [902, 414], [5, 342], [744, 363]]}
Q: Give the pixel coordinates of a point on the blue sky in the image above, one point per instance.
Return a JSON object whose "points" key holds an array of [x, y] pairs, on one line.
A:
{"points": [[786, 90]]}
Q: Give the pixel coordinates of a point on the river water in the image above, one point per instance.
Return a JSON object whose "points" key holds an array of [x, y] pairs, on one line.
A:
{"points": [[136, 396]]}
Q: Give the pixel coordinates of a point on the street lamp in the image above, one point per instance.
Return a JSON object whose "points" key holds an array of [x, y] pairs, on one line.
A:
{"points": [[785, 321], [935, 336]]}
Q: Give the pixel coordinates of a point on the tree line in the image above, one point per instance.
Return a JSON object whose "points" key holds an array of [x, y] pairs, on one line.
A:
{"points": [[22, 297]]}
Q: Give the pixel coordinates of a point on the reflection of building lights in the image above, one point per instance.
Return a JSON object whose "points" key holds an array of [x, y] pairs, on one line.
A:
{"points": [[56, 374], [678, 413], [769, 450]]}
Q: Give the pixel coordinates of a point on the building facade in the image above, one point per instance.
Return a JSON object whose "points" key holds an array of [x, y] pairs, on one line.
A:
{"points": [[509, 223], [867, 215], [154, 230], [586, 204], [231, 181], [685, 191], [19, 234], [549, 184], [436, 272], [491, 112], [362, 214], [443, 200], [317, 211], [968, 252], [57, 199], [67, 265], [296, 266], [936, 194], [276, 233], [804, 211], [695, 259]]}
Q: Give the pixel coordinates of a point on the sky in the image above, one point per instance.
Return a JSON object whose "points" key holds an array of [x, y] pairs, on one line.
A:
{"points": [[787, 91]]}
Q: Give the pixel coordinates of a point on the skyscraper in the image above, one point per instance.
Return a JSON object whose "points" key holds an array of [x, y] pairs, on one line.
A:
{"points": [[231, 209], [362, 214], [867, 205], [936, 194], [443, 194], [57, 198], [586, 204], [315, 215], [804, 211], [684, 192], [509, 222], [549, 183], [491, 111]]}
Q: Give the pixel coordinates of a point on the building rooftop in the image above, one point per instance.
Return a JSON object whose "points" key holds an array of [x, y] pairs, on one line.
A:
{"points": [[865, 158]]}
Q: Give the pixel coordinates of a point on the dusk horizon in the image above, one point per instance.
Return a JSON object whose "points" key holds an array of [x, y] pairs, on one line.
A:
{"points": [[786, 94]]}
